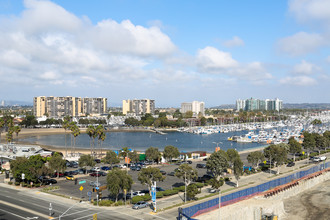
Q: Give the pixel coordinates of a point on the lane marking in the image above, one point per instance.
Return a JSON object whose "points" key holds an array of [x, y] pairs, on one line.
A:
{"points": [[13, 214], [25, 209]]}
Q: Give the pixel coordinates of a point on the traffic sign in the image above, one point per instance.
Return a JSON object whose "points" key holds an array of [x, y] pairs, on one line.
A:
{"points": [[95, 216], [303, 152], [83, 181], [97, 188], [81, 188], [125, 191], [89, 193]]}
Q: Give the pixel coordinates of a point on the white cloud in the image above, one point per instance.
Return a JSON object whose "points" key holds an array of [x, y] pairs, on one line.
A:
{"points": [[47, 37], [328, 59], [311, 10], [214, 61], [301, 43], [211, 59], [235, 42], [298, 81], [305, 68]]}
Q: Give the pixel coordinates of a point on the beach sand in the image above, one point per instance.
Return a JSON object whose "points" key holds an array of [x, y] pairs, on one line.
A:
{"points": [[51, 131]]}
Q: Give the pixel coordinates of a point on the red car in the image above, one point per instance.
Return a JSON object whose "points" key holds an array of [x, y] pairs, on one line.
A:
{"points": [[98, 174], [60, 175]]}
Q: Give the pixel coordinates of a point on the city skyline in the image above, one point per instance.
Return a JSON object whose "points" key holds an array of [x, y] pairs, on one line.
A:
{"points": [[167, 51]]}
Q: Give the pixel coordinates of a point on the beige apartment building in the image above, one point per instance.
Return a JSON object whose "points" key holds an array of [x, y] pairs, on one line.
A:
{"points": [[71, 106], [138, 106], [195, 106]]}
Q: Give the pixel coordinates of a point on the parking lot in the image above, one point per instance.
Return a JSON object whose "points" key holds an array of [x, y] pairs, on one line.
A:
{"points": [[68, 187]]}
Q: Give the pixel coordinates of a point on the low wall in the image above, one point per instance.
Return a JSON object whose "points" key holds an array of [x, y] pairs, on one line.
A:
{"points": [[254, 207]]}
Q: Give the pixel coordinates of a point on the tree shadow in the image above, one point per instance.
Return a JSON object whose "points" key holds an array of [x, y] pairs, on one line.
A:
{"points": [[178, 184], [230, 183]]}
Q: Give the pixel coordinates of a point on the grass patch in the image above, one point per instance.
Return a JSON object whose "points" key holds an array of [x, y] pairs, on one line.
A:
{"points": [[50, 188]]}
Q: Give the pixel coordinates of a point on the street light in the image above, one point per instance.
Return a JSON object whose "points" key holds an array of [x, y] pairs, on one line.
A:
{"points": [[217, 143], [59, 217]]}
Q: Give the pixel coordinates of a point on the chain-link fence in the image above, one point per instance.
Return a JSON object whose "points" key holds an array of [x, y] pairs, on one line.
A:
{"points": [[246, 193]]}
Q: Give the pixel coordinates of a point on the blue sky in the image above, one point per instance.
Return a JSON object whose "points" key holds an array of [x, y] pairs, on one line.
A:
{"points": [[170, 51]]}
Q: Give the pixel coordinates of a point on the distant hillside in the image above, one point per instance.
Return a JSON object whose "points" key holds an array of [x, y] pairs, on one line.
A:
{"points": [[306, 105], [15, 103], [224, 106]]}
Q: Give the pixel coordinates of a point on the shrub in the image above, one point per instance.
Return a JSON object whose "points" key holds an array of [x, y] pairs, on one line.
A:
{"points": [[105, 203], [323, 151], [136, 199], [29, 186], [10, 183], [16, 183], [170, 192], [313, 154], [199, 185], [181, 188], [159, 195], [119, 203], [37, 185]]}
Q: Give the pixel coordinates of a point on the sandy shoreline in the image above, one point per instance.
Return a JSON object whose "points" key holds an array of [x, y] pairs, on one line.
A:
{"points": [[51, 131]]}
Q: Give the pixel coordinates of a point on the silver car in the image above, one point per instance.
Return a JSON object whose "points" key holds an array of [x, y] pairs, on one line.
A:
{"points": [[141, 204]]}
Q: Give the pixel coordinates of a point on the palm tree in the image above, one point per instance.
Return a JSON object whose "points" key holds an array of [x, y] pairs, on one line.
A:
{"points": [[90, 132], [66, 126], [101, 135], [72, 126], [2, 124], [75, 133], [17, 129]]}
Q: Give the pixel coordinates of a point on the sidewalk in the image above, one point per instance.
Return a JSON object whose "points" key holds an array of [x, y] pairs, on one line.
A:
{"points": [[230, 186]]}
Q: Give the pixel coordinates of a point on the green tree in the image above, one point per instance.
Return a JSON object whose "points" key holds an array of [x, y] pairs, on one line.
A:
{"points": [[232, 155], [203, 121], [294, 147], [277, 153], [152, 153], [309, 141], [218, 163], [17, 130], [149, 175], [321, 141], [90, 131], [57, 163], [118, 180], [171, 152], [215, 184], [100, 134], [134, 156], [187, 173], [192, 191], [188, 114], [255, 158], [316, 122], [111, 158], [2, 124], [238, 169], [75, 131], [86, 160]]}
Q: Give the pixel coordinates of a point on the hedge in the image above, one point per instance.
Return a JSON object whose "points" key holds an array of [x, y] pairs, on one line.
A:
{"points": [[159, 195], [170, 192], [136, 199], [105, 203], [181, 188]]}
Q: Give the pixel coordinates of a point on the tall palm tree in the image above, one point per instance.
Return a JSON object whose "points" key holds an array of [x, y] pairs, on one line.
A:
{"points": [[72, 126], [66, 126], [90, 132], [101, 135], [17, 129], [2, 124], [75, 135]]}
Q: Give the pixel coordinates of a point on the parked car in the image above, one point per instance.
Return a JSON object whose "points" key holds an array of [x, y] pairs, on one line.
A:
{"points": [[95, 174], [97, 160], [140, 205], [204, 178], [74, 172], [96, 169], [159, 189], [136, 168], [94, 184], [70, 177], [323, 158], [291, 164], [105, 168], [60, 174], [51, 181], [171, 173], [163, 172], [316, 159], [81, 171], [201, 165]]}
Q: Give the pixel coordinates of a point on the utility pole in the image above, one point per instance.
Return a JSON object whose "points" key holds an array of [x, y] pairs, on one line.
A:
{"points": [[185, 187], [97, 185]]}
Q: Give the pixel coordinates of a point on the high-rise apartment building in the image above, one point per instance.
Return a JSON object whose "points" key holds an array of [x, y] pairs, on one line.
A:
{"points": [[138, 106], [258, 104], [195, 106], [71, 106]]}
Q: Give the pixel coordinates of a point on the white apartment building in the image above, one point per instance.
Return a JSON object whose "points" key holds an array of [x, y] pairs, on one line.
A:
{"points": [[138, 106], [196, 107]]}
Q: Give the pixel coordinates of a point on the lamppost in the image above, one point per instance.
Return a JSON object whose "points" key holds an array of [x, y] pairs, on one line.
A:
{"points": [[217, 143], [97, 185], [68, 210]]}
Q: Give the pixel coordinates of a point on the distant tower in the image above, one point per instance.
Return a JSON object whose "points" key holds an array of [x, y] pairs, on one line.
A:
{"points": [[3, 103]]}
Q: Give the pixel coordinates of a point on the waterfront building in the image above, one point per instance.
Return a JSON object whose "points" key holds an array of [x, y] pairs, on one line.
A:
{"points": [[138, 106], [68, 106], [196, 107], [253, 104]]}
